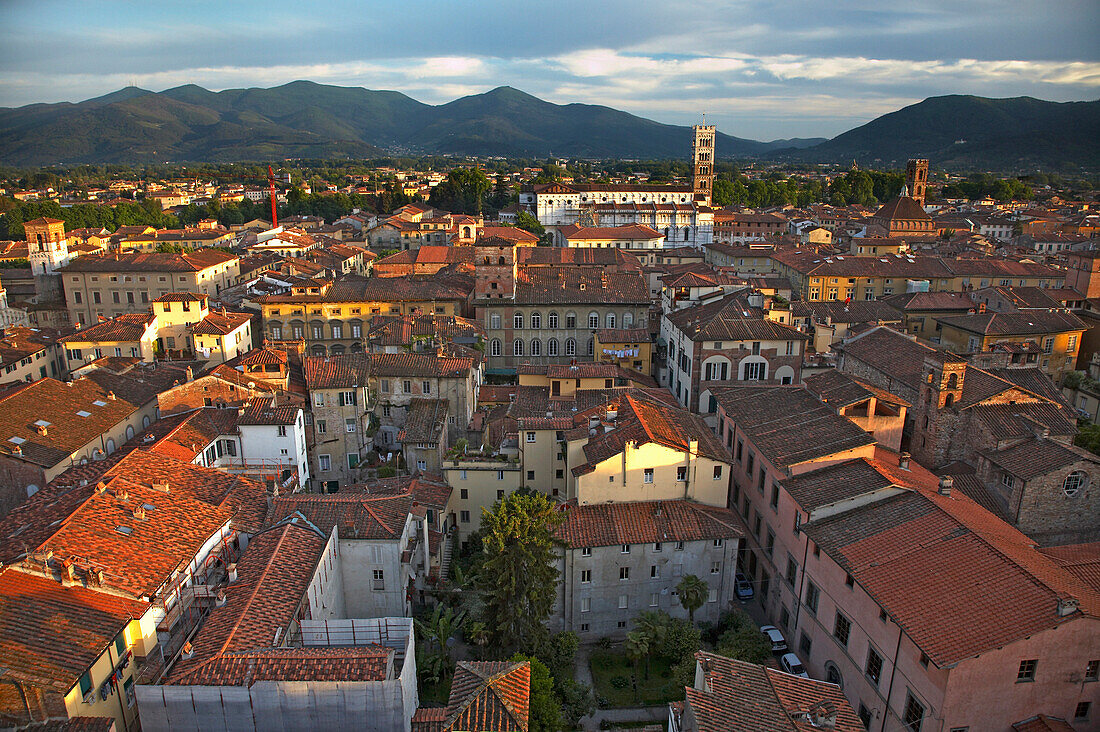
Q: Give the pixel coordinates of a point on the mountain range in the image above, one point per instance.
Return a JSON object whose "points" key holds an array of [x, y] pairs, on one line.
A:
{"points": [[303, 119]]}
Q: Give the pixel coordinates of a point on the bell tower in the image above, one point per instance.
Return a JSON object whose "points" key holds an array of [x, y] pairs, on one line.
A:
{"points": [[702, 157], [47, 246], [916, 179]]}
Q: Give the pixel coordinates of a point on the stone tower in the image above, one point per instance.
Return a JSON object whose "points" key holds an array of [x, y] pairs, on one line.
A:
{"points": [[495, 271], [702, 156], [47, 247], [916, 179]]}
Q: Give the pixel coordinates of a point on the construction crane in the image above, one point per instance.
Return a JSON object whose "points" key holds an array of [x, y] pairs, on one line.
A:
{"points": [[271, 189]]}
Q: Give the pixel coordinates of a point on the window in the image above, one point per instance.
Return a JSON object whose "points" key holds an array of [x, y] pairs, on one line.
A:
{"points": [[755, 371], [517, 321], [586, 575], [500, 494], [647, 475], [385, 410], [464, 516], [624, 573], [586, 604], [347, 398], [812, 595], [1082, 711], [874, 666], [849, 581], [593, 321], [624, 549], [530, 436], [775, 498], [804, 645], [1092, 670], [712, 596], [552, 347], [1026, 671], [785, 617], [495, 348], [353, 460], [715, 567], [1071, 345], [1074, 482], [282, 430], [536, 321], [500, 475], [584, 627], [571, 320], [324, 462], [681, 473], [349, 424], [654, 599], [842, 629], [924, 660], [378, 580], [865, 715], [914, 713], [622, 602], [792, 570], [586, 551], [717, 472], [570, 347], [494, 322], [719, 542], [1048, 345], [517, 347]]}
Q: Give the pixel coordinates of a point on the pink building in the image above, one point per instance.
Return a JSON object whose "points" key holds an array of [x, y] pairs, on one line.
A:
{"points": [[933, 614]]}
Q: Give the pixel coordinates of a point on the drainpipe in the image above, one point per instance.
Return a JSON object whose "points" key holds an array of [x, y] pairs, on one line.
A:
{"points": [[802, 580], [893, 673]]}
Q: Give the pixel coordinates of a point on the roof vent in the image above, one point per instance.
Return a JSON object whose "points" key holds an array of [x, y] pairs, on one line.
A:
{"points": [[122, 494], [945, 485], [149, 438], [41, 429], [231, 571], [188, 651], [903, 461], [1067, 606], [161, 486], [111, 395], [822, 715]]}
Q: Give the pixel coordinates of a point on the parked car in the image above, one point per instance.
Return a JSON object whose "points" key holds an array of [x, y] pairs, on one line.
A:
{"points": [[779, 643], [742, 587], [789, 664]]}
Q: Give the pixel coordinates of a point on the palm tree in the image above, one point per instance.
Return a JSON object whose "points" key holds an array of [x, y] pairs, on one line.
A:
{"points": [[693, 593], [653, 625], [438, 629], [637, 648]]}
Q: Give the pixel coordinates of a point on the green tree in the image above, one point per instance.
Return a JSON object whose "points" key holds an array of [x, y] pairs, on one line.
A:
{"points": [[654, 626], [693, 593], [636, 647], [528, 222], [722, 192], [743, 640], [518, 579], [544, 708]]}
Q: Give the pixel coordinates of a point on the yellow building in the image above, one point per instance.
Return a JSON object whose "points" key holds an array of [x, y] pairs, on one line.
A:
{"points": [[132, 335], [629, 348], [1050, 338], [85, 666], [566, 380], [332, 317]]}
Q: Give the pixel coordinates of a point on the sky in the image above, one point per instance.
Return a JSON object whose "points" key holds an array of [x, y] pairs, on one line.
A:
{"points": [[758, 69]]}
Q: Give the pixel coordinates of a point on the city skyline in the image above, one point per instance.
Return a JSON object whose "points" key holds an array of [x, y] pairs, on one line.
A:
{"points": [[761, 70]]}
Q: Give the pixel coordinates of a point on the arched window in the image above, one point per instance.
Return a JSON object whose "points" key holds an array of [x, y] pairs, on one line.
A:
{"points": [[318, 350], [129, 432], [953, 381], [628, 320], [337, 350], [517, 347], [948, 400], [593, 320], [1074, 482], [591, 346], [832, 674], [552, 347], [570, 347], [687, 233], [536, 320], [145, 421], [536, 347], [110, 445], [570, 320], [494, 347], [610, 320], [552, 320], [517, 321]]}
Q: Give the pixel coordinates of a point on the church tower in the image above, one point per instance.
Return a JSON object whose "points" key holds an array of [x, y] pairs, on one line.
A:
{"points": [[47, 246], [702, 155], [916, 179]]}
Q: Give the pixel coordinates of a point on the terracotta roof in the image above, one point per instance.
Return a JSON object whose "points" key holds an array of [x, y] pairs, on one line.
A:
{"points": [[1043, 723], [730, 319], [399, 330], [489, 696], [580, 286], [742, 696], [245, 668], [645, 522], [893, 353], [919, 544], [412, 288], [949, 301], [18, 342], [839, 390], [788, 425], [182, 297], [1021, 420], [1028, 322], [1037, 457], [902, 207], [125, 327], [1082, 560], [354, 369], [272, 578], [50, 634], [220, 323], [424, 422], [837, 311], [195, 261], [357, 515], [555, 256]]}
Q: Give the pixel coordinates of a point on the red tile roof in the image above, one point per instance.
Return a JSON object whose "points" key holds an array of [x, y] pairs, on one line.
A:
{"points": [[125, 327], [489, 696], [354, 369], [742, 696], [645, 522], [220, 323], [50, 634], [357, 515]]}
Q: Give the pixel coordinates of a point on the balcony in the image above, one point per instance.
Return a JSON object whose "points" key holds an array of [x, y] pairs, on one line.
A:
{"points": [[280, 477]]}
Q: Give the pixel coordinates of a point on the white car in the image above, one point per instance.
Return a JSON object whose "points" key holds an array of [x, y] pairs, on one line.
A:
{"points": [[789, 664], [775, 637]]}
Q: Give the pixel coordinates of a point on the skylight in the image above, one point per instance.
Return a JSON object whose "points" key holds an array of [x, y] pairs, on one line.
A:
{"points": [[16, 440], [124, 530], [43, 423], [99, 403], [82, 413]]}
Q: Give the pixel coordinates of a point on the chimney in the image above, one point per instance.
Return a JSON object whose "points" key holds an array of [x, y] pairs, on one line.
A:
{"points": [[219, 599], [822, 715], [188, 651], [111, 395], [161, 486], [122, 494], [67, 570], [190, 374], [945, 485], [100, 487], [1066, 606], [139, 512], [42, 430], [100, 577], [231, 570], [903, 461]]}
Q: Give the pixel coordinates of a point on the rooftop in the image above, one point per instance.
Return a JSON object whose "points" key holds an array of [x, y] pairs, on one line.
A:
{"points": [[645, 522]]}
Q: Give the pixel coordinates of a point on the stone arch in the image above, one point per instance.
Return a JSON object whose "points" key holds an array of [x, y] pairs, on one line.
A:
{"points": [[720, 368], [754, 366], [784, 375]]}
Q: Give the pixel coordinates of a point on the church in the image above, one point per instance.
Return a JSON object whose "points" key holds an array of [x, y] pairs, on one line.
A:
{"points": [[905, 215]]}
